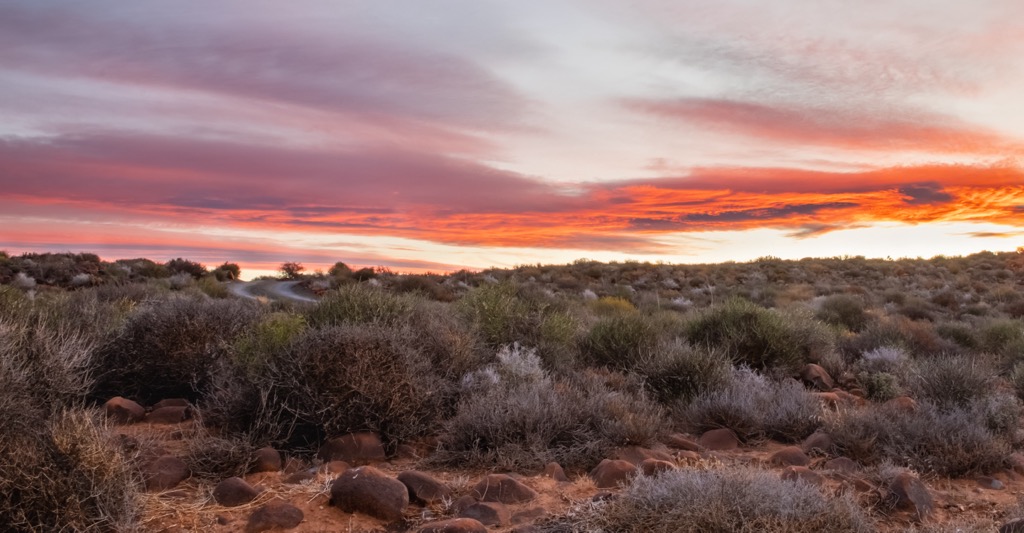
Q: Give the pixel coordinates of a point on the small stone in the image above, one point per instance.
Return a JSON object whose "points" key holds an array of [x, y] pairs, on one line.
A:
{"points": [[911, 494], [164, 473], [720, 440], [817, 376], [789, 456], [830, 399], [354, 448], [528, 515], [502, 488], [842, 464], [369, 491], [487, 513], [171, 402], [653, 467], [554, 471], [274, 515], [990, 483], [423, 488], [610, 473], [793, 473], [637, 454], [455, 525], [267, 460], [123, 411], [818, 442], [681, 442], [174, 414], [336, 467], [687, 457], [234, 491]]}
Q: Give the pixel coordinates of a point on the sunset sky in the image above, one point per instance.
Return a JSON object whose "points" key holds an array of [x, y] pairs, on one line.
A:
{"points": [[448, 134]]}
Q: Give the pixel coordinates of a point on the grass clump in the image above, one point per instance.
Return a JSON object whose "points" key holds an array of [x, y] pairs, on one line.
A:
{"points": [[616, 341], [360, 304], [719, 499], [756, 407], [677, 371], [843, 310]]}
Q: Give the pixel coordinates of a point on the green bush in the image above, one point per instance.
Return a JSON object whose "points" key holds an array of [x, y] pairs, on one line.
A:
{"points": [[360, 304], [756, 407], [720, 499], [760, 338], [843, 310], [618, 340], [266, 339], [676, 371]]}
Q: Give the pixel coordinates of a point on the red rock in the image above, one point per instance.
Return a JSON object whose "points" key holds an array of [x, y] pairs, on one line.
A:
{"points": [[171, 402], [123, 411], [174, 414], [267, 460], [234, 491], [911, 494], [637, 454], [487, 513], [503, 489], [687, 456], [164, 473], [990, 483], [528, 515], [369, 491], [554, 471], [455, 525], [610, 473], [335, 467], [817, 376], [789, 456], [274, 515], [720, 440], [681, 442], [355, 448], [830, 399], [652, 467], [793, 473], [423, 488], [842, 464], [818, 442]]}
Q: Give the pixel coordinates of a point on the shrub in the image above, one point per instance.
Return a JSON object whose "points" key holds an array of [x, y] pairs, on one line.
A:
{"points": [[720, 499], [184, 266], [215, 458], [266, 339], [360, 304], [756, 407], [677, 371], [66, 473], [952, 381], [758, 337], [291, 270], [227, 272], [843, 310], [618, 340], [349, 378], [167, 348], [611, 305], [515, 415]]}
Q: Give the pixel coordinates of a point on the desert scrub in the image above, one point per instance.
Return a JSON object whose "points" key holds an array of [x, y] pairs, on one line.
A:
{"points": [[66, 473], [949, 442], [720, 499], [676, 371], [360, 303], [756, 407], [617, 340], [515, 415], [266, 339], [215, 458], [952, 380], [166, 348], [758, 337], [349, 378], [843, 310]]}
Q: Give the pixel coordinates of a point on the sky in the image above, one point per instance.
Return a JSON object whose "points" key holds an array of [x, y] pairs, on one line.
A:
{"points": [[434, 136]]}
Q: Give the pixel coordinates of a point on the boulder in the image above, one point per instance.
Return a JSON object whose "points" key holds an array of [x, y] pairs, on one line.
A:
{"points": [[843, 464], [990, 483], [267, 460], [487, 513], [653, 467], [610, 473], [274, 515], [720, 440], [789, 456], [173, 414], [123, 411], [528, 515], [819, 442], [355, 448], [829, 399], [911, 494], [424, 488], [164, 472], [170, 402], [455, 525], [503, 489], [369, 491], [817, 376], [234, 491], [793, 473], [1016, 462], [554, 471], [681, 442], [335, 467], [637, 454]]}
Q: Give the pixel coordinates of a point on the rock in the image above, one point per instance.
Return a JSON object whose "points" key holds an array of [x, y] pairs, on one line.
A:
{"points": [[793, 473], [298, 478], [455, 525], [610, 473], [424, 488], [653, 467], [911, 494], [843, 464], [487, 513], [174, 414], [274, 515], [554, 471], [681, 442], [637, 455], [830, 399], [503, 489], [464, 501], [234, 491], [335, 467], [849, 399], [164, 473], [171, 402], [818, 377], [990, 483], [720, 440], [528, 515], [1016, 462], [123, 411], [818, 442], [369, 491], [789, 456], [1013, 526], [267, 460], [688, 457], [902, 403], [355, 448]]}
